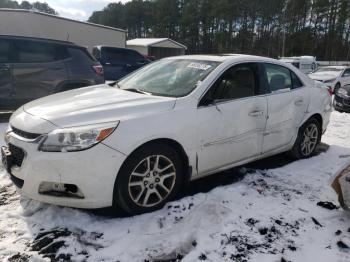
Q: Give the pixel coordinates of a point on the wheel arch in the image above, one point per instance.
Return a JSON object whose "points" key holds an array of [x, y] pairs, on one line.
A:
{"points": [[167, 141], [173, 144], [317, 116]]}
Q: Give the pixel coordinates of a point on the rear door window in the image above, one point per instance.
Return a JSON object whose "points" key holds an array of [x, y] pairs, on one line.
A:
{"points": [[34, 52], [296, 82], [81, 55], [61, 52], [5, 49], [278, 77]]}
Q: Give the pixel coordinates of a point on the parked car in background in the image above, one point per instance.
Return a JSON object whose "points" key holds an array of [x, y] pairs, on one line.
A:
{"points": [[341, 100], [306, 64], [118, 62], [137, 142], [333, 76], [31, 68]]}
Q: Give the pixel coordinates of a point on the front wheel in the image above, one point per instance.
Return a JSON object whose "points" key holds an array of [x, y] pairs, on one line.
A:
{"points": [[149, 178], [309, 136]]}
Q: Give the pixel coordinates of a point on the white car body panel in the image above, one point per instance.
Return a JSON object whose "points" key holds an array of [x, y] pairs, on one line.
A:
{"points": [[72, 168], [214, 138], [88, 105], [218, 133], [286, 112]]}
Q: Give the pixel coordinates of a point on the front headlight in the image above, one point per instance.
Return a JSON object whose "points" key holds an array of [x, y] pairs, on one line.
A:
{"points": [[342, 92], [329, 80], [76, 138]]}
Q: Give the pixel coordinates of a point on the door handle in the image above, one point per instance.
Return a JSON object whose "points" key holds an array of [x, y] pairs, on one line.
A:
{"points": [[128, 65], [256, 113], [299, 102]]}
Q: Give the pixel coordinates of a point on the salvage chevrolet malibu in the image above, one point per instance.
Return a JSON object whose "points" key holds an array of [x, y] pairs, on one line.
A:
{"points": [[135, 143]]}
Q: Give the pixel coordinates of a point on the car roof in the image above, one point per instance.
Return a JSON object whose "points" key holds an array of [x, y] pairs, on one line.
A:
{"points": [[45, 40], [224, 57]]}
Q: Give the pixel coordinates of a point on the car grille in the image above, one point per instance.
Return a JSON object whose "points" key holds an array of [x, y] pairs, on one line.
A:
{"points": [[17, 154], [24, 134]]}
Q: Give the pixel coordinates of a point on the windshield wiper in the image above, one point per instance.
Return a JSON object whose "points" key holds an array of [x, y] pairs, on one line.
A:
{"points": [[137, 91]]}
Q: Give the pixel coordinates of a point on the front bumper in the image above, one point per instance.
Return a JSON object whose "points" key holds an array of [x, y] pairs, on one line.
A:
{"points": [[341, 104], [93, 171]]}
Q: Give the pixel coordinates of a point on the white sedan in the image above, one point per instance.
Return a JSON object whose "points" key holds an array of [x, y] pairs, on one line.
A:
{"points": [[333, 76], [137, 142]]}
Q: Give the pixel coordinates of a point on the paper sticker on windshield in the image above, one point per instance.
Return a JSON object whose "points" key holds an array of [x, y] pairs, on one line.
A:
{"points": [[199, 66]]}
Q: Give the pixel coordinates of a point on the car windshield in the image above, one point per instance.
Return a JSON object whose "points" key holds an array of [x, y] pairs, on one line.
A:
{"points": [[329, 69], [169, 77]]}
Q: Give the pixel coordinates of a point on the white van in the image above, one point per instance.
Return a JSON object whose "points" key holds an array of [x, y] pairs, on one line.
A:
{"points": [[306, 64]]}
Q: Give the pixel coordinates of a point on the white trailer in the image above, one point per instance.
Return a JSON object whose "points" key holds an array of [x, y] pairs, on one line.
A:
{"points": [[306, 64], [157, 47], [36, 24]]}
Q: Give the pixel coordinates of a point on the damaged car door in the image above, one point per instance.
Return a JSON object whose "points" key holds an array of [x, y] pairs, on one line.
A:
{"points": [[288, 101], [231, 118]]}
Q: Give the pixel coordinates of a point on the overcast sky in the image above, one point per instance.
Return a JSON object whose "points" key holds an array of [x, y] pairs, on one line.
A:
{"points": [[77, 9]]}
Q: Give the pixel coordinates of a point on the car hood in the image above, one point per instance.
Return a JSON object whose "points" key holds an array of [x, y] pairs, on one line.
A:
{"points": [[324, 76], [96, 104]]}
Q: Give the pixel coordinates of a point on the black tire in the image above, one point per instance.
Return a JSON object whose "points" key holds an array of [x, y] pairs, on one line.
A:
{"points": [[122, 192], [297, 151], [337, 86]]}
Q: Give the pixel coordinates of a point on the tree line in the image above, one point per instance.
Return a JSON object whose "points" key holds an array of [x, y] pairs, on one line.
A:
{"points": [[262, 27], [39, 6]]}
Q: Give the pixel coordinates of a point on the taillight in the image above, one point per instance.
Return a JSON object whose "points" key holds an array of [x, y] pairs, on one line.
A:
{"points": [[98, 69], [330, 91]]}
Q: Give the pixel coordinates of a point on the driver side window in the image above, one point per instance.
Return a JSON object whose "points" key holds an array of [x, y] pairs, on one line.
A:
{"points": [[239, 81]]}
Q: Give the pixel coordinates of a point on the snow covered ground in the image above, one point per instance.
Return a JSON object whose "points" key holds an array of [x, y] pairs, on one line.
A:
{"points": [[259, 212]]}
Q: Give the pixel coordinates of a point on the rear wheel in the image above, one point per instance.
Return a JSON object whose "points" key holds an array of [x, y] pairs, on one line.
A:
{"points": [[309, 136], [149, 178]]}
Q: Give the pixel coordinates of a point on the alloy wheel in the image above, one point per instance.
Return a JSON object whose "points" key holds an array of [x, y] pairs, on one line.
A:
{"points": [[309, 139], [152, 180]]}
